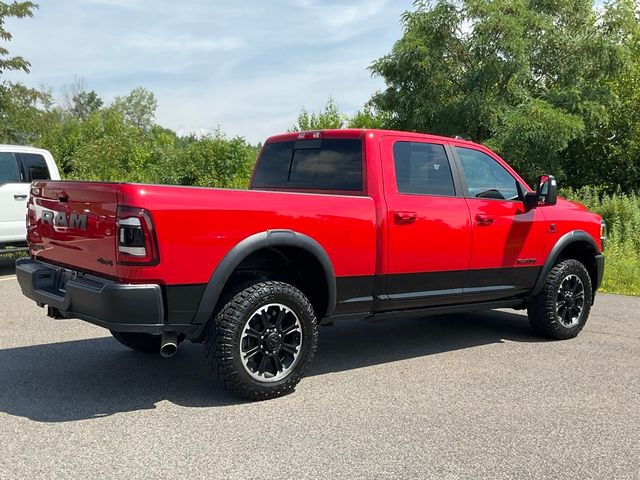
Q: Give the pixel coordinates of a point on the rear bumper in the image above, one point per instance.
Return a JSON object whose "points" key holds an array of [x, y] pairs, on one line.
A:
{"points": [[103, 302]]}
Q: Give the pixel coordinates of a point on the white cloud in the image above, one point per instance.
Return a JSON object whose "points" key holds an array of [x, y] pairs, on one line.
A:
{"points": [[181, 43], [360, 13], [115, 3]]}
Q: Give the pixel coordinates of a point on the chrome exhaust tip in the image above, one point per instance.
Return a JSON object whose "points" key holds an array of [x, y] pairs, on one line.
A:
{"points": [[169, 344]]}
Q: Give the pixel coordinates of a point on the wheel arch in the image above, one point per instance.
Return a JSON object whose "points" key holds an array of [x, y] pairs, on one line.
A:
{"points": [[271, 239], [576, 244]]}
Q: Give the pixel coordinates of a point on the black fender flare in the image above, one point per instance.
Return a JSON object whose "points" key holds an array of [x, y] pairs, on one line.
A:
{"points": [[562, 243], [258, 241]]}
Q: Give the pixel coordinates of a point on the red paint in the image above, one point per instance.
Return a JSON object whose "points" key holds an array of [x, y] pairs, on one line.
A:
{"points": [[379, 231]]}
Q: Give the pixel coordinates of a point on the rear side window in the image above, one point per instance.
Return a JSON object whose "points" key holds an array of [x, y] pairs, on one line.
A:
{"points": [[36, 166], [320, 164], [422, 168], [9, 170]]}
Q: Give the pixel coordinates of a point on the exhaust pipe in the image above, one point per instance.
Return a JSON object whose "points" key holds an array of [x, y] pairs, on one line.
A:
{"points": [[169, 344]]}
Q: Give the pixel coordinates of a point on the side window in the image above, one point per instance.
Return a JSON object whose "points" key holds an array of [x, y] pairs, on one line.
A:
{"points": [[9, 170], [36, 166], [422, 168], [485, 177]]}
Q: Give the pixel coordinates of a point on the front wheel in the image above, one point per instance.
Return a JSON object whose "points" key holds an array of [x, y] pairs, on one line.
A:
{"points": [[262, 341], [561, 309]]}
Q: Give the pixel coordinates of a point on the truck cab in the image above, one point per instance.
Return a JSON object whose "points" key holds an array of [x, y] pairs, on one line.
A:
{"points": [[19, 166]]}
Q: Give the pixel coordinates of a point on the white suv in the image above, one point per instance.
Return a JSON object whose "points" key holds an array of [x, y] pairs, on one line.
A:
{"points": [[19, 166]]}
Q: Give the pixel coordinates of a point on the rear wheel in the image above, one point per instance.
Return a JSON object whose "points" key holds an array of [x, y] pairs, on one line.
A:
{"points": [[262, 341], [140, 342], [561, 309]]}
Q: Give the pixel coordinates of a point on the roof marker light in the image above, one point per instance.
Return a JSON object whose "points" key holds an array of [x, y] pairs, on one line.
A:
{"points": [[309, 135]]}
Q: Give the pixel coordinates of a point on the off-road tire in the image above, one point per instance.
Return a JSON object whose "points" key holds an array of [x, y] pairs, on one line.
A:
{"points": [[542, 311], [223, 336], [140, 342]]}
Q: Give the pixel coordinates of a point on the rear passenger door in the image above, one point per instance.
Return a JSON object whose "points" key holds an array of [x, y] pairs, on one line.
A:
{"points": [[508, 242], [429, 231]]}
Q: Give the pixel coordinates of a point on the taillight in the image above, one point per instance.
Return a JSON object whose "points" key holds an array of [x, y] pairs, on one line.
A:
{"points": [[137, 243]]}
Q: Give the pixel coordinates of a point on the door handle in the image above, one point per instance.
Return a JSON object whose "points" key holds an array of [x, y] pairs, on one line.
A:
{"points": [[404, 218], [20, 197], [484, 220]]}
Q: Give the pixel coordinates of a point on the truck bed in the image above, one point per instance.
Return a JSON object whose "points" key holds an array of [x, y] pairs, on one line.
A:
{"points": [[194, 227]]}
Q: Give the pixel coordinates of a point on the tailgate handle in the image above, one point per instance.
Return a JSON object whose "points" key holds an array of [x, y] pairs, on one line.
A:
{"points": [[20, 197], [63, 198]]}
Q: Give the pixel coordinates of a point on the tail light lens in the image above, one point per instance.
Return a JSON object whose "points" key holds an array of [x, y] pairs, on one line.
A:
{"points": [[137, 243]]}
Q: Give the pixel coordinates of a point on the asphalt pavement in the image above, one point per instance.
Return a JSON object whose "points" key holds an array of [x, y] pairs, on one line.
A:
{"points": [[449, 397]]}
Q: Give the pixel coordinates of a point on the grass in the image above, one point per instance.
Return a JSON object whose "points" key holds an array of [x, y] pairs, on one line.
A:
{"points": [[14, 254], [621, 212]]}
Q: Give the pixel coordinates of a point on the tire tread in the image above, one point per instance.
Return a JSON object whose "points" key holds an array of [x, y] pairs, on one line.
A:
{"points": [[221, 331], [542, 308]]}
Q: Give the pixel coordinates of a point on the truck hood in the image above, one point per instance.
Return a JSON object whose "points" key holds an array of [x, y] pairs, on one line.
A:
{"points": [[571, 205]]}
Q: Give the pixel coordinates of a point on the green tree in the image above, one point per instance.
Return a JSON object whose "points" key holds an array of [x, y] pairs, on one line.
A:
{"points": [[368, 117], [22, 117], [213, 161], [85, 103], [328, 117], [613, 148], [139, 107], [19, 115], [107, 148], [13, 10], [527, 77]]}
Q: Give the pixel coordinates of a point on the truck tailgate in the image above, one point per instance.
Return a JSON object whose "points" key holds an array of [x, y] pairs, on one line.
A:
{"points": [[74, 224]]}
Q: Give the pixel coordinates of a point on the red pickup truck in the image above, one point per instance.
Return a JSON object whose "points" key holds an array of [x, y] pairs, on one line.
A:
{"points": [[337, 224]]}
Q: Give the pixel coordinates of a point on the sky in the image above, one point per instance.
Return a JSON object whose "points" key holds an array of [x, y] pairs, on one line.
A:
{"points": [[247, 66]]}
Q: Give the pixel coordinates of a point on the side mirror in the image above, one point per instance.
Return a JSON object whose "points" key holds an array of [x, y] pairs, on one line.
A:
{"points": [[547, 190], [530, 200], [546, 193]]}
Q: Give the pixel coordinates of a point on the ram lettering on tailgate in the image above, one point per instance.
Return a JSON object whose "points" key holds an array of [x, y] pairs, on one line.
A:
{"points": [[60, 219]]}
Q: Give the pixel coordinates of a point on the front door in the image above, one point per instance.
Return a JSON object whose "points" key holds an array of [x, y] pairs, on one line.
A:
{"points": [[508, 242], [429, 232]]}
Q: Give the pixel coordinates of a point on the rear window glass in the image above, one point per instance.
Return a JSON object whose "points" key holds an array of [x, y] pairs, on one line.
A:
{"points": [[9, 172], [36, 165], [327, 164]]}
